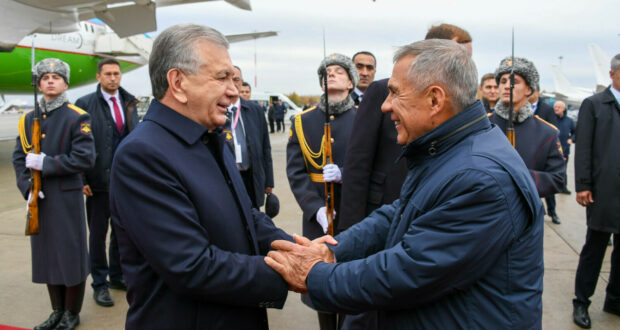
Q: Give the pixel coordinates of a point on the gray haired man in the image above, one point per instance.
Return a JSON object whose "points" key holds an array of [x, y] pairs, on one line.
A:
{"points": [[466, 230]]}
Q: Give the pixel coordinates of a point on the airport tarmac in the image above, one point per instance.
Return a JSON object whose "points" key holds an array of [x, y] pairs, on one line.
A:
{"points": [[25, 304]]}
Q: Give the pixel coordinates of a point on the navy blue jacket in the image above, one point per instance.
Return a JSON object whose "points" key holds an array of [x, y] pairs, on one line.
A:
{"points": [[537, 143], [567, 131], [105, 133], [460, 249], [191, 244]]}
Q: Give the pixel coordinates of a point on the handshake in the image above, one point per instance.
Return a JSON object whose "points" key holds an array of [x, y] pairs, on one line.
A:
{"points": [[294, 261]]}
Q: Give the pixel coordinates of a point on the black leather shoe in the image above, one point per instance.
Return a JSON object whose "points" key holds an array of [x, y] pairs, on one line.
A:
{"points": [[555, 219], [581, 316], [118, 285], [52, 321], [69, 321], [613, 308], [102, 298], [565, 191]]}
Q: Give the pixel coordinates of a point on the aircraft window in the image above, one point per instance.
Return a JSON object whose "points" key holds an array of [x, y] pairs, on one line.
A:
{"points": [[92, 29]]}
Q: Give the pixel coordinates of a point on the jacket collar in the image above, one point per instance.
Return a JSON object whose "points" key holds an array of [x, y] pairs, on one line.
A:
{"points": [[608, 96], [442, 138], [181, 126]]}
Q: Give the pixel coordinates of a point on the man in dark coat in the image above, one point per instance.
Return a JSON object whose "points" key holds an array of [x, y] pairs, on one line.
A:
{"points": [[542, 109], [366, 65], [251, 139], [191, 244], [278, 115], [462, 246], [567, 129], [597, 182], [536, 140], [488, 91], [113, 113], [305, 154], [59, 253]]}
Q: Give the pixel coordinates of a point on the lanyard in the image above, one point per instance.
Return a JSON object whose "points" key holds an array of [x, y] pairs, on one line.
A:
{"points": [[236, 121]]}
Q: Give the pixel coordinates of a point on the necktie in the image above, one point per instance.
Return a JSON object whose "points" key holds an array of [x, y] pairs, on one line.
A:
{"points": [[237, 126], [118, 118]]}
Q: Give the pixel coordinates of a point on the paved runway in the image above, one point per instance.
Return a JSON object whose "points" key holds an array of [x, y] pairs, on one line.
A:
{"points": [[24, 304]]}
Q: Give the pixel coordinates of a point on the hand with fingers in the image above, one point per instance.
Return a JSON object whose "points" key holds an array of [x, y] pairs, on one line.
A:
{"points": [[584, 198], [294, 261]]}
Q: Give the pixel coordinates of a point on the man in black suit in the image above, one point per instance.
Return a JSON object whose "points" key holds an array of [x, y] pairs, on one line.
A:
{"points": [[114, 116], [247, 135], [597, 182], [366, 65], [542, 109]]}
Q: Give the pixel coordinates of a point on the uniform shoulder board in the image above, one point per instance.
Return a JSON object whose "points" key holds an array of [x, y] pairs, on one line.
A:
{"points": [[306, 111], [546, 122], [490, 114], [75, 108]]}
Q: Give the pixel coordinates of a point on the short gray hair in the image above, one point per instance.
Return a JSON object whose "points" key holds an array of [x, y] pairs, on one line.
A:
{"points": [[442, 62], [615, 62], [174, 48]]}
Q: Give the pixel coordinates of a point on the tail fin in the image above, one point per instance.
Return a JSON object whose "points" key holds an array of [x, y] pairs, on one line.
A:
{"points": [[601, 66]]}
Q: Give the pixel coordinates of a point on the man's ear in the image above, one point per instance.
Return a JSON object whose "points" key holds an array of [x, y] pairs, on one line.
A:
{"points": [[176, 81], [437, 99]]}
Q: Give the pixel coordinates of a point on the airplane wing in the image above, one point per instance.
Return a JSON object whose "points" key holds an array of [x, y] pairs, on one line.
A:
{"points": [[250, 36], [23, 17]]}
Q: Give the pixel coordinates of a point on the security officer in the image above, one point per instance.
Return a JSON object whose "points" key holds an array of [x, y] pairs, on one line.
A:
{"points": [[536, 140], [305, 153], [59, 254]]}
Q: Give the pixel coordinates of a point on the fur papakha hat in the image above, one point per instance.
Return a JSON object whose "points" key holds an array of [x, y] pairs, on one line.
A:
{"points": [[52, 65], [343, 61], [523, 67]]}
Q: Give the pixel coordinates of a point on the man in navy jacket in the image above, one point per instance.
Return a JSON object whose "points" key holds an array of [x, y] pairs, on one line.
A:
{"points": [[191, 244], [462, 246]]}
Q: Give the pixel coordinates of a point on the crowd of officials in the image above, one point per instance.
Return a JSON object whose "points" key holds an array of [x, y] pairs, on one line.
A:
{"points": [[436, 180]]}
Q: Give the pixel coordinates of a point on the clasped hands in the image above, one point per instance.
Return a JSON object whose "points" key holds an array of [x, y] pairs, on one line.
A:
{"points": [[294, 261]]}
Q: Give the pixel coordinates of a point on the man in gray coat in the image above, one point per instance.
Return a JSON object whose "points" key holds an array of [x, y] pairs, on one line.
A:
{"points": [[597, 182]]}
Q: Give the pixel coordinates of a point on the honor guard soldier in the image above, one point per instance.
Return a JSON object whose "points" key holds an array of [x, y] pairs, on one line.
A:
{"points": [[305, 152], [59, 251], [536, 140]]}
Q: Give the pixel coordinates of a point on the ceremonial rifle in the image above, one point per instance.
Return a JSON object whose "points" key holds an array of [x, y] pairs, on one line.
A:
{"points": [[32, 217], [510, 131], [327, 139]]}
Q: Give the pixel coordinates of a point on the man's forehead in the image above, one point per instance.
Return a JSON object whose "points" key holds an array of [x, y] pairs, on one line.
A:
{"points": [[490, 81], [364, 59]]}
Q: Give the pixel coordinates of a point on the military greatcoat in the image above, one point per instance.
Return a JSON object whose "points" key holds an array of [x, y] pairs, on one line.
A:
{"points": [[59, 251]]}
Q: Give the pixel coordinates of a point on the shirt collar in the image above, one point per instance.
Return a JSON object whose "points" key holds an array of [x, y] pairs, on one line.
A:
{"points": [[236, 104], [107, 96], [615, 92], [358, 92]]}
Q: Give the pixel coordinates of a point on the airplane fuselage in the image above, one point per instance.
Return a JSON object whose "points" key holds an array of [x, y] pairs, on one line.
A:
{"points": [[75, 48]]}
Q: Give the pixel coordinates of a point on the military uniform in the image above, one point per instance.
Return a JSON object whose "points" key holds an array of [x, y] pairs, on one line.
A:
{"points": [[59, 251], [304, 176], [538, 145]]}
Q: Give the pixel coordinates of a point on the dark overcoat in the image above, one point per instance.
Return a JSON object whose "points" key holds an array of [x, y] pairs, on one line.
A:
{"points": [[597, 159], [310, 195], [259, 147], [192, 247], [60, 250], [462, 248], [546, 112], [371, 176], [106, 135], [538, 145]]}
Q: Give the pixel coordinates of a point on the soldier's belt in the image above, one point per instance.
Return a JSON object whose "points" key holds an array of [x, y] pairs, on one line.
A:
{"points": [[316, 177]]}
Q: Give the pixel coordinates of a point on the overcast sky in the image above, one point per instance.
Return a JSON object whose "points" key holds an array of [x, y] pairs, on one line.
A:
{"points": [[544, 30]]}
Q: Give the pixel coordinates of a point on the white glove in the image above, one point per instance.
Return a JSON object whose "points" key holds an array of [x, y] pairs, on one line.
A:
{"points": [[331, 173], [35, 161], [41, 196], [321, 218]]}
